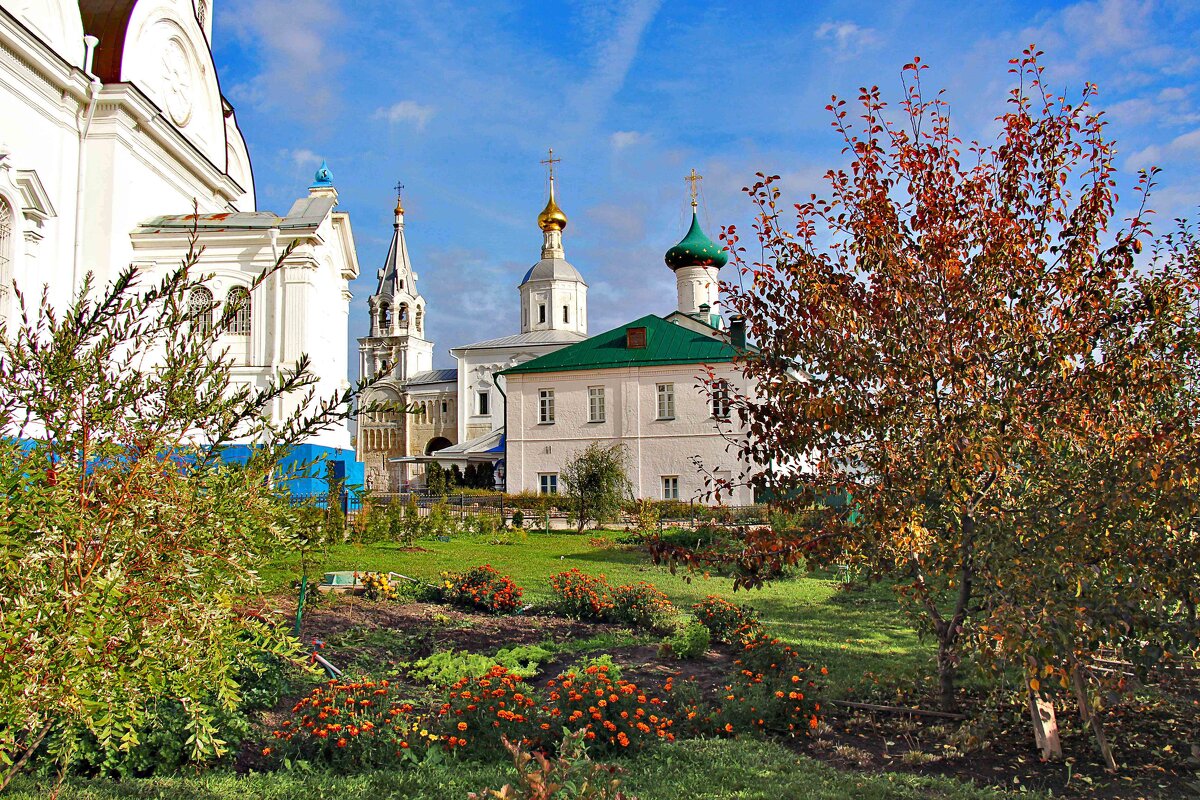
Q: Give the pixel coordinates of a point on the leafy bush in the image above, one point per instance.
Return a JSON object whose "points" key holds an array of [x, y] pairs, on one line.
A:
{"points": [[483, 588], [448, 666], [124, 533], [580, 596], [640, 604], [518, 519], [689, 642], [727, 622]]}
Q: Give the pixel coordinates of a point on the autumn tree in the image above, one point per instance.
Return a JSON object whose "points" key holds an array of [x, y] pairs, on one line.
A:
{"points": [[961, 341]]}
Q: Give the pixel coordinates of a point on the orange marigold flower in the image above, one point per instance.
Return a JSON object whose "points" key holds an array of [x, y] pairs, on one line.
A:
{"points": [[341, 742]]}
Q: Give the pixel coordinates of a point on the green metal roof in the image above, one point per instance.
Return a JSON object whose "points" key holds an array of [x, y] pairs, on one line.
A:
{"points": [[696, 250], [666, 343]]}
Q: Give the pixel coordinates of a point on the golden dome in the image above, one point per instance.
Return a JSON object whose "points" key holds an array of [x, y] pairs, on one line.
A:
{"points": [[552, 217], [399, 207]]}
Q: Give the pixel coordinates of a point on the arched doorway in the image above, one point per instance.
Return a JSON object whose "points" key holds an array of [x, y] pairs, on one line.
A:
{"points": [[437, 443]]}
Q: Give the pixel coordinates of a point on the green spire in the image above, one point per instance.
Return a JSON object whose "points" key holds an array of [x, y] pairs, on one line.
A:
{"points": [[696, 250]]}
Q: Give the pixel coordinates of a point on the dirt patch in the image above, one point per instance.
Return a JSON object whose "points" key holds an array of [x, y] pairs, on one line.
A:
{"points": [[1004, 755], [1155, 742]]}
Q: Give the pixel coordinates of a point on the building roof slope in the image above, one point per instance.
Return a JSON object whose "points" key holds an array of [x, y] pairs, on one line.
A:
{"points": [[433, 376], [666, 343], [529, 339]]}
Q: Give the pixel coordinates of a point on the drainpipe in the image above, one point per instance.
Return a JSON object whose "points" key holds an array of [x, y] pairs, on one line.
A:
{"points": [[94, 86], [276, 348], [496, 382]]}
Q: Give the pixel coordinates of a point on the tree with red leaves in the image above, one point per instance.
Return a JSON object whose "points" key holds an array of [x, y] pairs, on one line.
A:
{"points": [[963, 343]]}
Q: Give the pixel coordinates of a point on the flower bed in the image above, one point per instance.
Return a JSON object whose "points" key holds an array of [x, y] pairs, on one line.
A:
{"points": [[482, 588], [591, 598]]}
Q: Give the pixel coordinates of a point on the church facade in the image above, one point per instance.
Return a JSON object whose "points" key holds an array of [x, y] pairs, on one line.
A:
{"points": [[532, 400], [116, 141]]}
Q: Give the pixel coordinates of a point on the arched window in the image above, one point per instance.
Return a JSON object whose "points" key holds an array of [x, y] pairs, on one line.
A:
{"points": [[200, 309], [385, 318], [6, 236], [239, 300], [403, 314], [420, 318]]}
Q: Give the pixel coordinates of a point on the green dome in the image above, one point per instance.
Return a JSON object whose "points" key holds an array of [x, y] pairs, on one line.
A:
{"points": [[696, 250]]}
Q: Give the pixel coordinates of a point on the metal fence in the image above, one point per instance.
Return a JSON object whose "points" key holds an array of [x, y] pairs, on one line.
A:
{"points": [[462, 505]]}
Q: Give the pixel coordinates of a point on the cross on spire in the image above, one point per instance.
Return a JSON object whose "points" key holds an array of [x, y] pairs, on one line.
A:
{"points": [[550, 161], [399, 188], [694, 180]]}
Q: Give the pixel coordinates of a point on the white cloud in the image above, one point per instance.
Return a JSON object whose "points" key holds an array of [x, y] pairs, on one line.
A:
{"points": [[299, 68], [847, 38], [302, 157], [407, 111], [1184, 145], [614, 58], [622, 139]]}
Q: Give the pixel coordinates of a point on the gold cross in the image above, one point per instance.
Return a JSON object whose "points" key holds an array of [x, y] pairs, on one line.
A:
{"points": [[694, 180], [550, 162]]}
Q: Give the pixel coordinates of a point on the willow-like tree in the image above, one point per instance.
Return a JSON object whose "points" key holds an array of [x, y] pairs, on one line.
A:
{"points": [[594, 483], [124, 536], [962, 341]]}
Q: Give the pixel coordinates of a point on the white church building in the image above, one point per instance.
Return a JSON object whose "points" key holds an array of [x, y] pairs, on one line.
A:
{"points": [[531, 400], [116, 141]]}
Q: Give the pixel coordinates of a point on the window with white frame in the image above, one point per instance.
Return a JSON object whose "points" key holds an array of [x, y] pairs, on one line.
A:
{"points": [[238, 299], [595, 404], [483, 403], [200, 309], [670, 487], [720, 400], [548, 483], [666, 401], [545, 406]]}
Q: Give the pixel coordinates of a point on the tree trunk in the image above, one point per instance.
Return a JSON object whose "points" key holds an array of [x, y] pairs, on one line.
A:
{"points": [[29, 751]]}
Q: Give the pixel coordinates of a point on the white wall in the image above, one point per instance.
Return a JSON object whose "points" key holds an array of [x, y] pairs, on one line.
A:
{"points": [[656, 447]]}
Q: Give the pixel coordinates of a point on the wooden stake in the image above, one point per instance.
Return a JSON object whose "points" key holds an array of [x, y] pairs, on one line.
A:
{"points": [[1079, 684], [1045, 726]]}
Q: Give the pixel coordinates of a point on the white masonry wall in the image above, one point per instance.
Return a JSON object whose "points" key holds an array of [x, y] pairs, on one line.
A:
{"points": [[656, 448]]}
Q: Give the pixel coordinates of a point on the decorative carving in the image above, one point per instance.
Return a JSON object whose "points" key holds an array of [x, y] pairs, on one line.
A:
{"points": [[176, 76]]}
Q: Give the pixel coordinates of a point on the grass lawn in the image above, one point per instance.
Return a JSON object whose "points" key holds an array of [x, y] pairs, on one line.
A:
{"points": [[850, 633], [698, 770]]}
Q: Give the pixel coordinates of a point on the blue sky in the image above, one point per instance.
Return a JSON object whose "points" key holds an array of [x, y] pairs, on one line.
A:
{"points": [[460, 101]]}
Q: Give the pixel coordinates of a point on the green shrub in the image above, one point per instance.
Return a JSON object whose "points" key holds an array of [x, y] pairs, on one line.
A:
{"points": [[518, 519], [690, 641]]}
